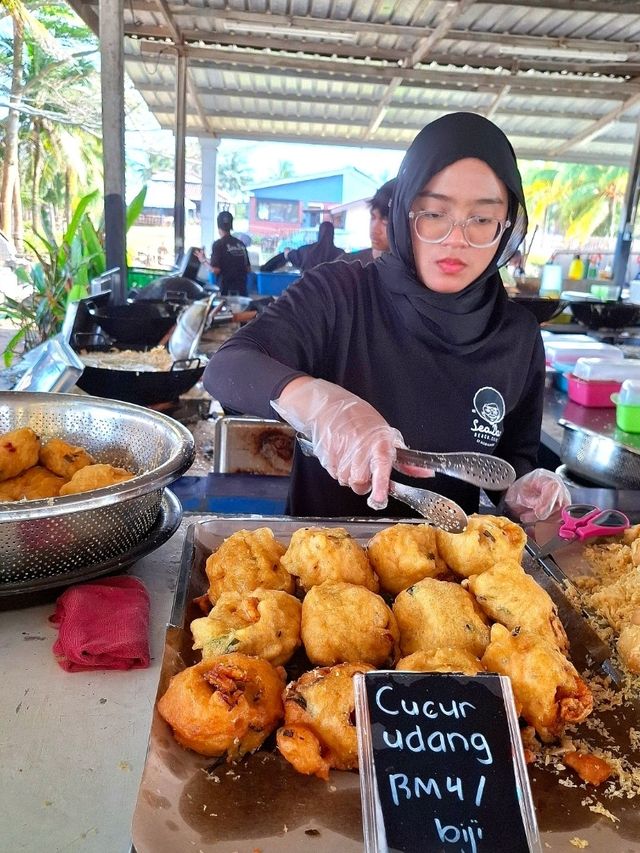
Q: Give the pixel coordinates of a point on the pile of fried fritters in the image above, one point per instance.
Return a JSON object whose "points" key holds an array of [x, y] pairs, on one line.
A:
{"points": [[30, 470], [415, 598]]}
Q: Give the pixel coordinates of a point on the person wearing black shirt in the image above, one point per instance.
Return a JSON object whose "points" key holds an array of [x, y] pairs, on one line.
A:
{"points": [[378, 221], [229, 260], [421, 348], [310, 255]]}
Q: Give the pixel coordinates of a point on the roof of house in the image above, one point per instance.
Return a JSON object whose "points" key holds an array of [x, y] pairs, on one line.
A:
{"points": [[300, 179]]}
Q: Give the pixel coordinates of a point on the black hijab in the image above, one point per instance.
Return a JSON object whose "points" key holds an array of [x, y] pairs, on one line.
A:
{"points": [[454, 322], [321, 252]]}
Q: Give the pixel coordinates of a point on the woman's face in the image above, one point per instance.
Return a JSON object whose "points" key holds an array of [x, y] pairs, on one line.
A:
{"points": [[466, 188]]}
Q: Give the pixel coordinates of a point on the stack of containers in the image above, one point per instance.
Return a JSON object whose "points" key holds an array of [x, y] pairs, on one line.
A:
{"points": [[563, 355], [594, 380]]}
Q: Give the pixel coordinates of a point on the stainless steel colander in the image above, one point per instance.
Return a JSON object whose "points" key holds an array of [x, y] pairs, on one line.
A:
{"points": [[58, 535]]}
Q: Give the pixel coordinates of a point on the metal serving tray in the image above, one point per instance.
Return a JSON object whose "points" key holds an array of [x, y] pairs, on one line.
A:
{"points": [[187, 802]]}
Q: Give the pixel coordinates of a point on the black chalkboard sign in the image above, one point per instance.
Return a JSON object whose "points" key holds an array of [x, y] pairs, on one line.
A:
{"points": [[441, 765]]}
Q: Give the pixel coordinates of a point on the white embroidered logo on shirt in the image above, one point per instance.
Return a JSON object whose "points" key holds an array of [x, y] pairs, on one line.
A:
{"points": [[489, 405]]}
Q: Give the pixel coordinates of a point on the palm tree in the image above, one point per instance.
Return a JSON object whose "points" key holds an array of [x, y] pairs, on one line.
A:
{"points": [[579, 200], [234, 175], [52, 134]]}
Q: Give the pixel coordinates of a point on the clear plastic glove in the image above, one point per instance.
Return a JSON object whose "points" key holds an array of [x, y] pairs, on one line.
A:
{"points": [[537, 495], [350, 438]]}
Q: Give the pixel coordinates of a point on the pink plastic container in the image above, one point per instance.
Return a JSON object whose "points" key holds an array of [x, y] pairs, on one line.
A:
{"points": [[592, 394]]}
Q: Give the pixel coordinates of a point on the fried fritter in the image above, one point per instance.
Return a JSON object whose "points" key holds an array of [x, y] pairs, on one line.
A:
{"points": [[247, 560], [319, 730], [487, 540], [343, 622], [442, 660], [95, 477], [33, 484], [265, 622], [318, 554], [404, 554], [18, 451], [229, 704], [435, 614], [507, 594], [548, 691], [64, 459]]}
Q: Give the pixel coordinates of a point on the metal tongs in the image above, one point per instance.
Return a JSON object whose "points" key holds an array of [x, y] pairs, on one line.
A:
{"points": [[479, 469], [434, 508]]}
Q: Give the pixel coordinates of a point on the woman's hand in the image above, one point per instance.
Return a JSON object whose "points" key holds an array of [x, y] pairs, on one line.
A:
{"points": [[537, 495], [350, 438]]}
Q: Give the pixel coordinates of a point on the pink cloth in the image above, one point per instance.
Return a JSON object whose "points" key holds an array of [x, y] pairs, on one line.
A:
{"points": [[103, 624]]}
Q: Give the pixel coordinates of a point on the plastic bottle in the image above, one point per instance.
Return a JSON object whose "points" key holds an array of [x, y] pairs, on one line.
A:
{"points": [[576, 268]]}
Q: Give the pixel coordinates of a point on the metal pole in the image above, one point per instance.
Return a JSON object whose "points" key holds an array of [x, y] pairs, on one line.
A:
{"points": [[180, 134], [628, 216], [112, 84]]}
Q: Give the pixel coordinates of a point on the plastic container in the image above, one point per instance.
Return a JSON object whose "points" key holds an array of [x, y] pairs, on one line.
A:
{"points": [[273, 283], [567, 352], [593, 394], [627, 403], [141, 276], [607, 370], [561, 376]]}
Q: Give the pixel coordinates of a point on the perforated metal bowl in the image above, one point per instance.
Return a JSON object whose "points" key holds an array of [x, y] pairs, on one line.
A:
{"points": [[57, 535]]}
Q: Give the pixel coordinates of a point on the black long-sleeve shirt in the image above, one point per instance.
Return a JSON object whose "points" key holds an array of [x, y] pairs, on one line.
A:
{"points": [[340, 324]]}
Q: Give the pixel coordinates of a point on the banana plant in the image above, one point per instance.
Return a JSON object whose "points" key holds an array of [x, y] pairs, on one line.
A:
{"points": [[61, 273]]}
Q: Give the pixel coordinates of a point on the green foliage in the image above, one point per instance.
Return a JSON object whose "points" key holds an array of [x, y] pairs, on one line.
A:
{"points": [[575, 199], [61, 273]]}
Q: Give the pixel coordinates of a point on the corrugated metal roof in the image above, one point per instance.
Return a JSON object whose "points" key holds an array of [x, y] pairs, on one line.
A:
{"points": [[561, 77]]}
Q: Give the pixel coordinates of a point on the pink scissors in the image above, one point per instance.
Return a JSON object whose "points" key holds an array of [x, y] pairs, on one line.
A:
{"points": [[582, 521]]}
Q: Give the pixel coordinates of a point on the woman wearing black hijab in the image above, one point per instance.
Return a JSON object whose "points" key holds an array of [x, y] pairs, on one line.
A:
{"points": [[421, 348]]}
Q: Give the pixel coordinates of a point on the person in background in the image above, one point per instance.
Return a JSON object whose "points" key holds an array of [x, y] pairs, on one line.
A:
{"points": [[422, 348], [307, 257], [229, 259], [378, 220], [513, 272]]}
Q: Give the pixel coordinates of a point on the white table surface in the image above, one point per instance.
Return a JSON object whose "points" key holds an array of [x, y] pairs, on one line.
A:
{"points": [[73, 745]]}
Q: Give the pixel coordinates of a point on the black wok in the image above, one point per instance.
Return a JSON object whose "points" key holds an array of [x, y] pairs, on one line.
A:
{"points": [[142, 323], [606, 315], [543, 309], [146, 388]]}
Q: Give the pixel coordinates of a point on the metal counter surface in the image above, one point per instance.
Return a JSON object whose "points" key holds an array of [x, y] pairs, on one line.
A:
{"points": [[600, 421], [73, 745]]}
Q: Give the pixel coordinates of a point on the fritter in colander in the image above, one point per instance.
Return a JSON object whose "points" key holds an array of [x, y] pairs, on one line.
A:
{"points": [[95, 477], [33, 484], [18, 451], [64, 459]]}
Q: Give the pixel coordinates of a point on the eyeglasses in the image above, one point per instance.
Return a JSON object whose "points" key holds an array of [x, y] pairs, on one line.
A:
{"points": [[478, 231]]}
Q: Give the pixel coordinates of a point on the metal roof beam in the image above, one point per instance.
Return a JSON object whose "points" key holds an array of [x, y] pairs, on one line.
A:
{"points": [[297, 24], [403, 106], [359, 72], [596, 128]]}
